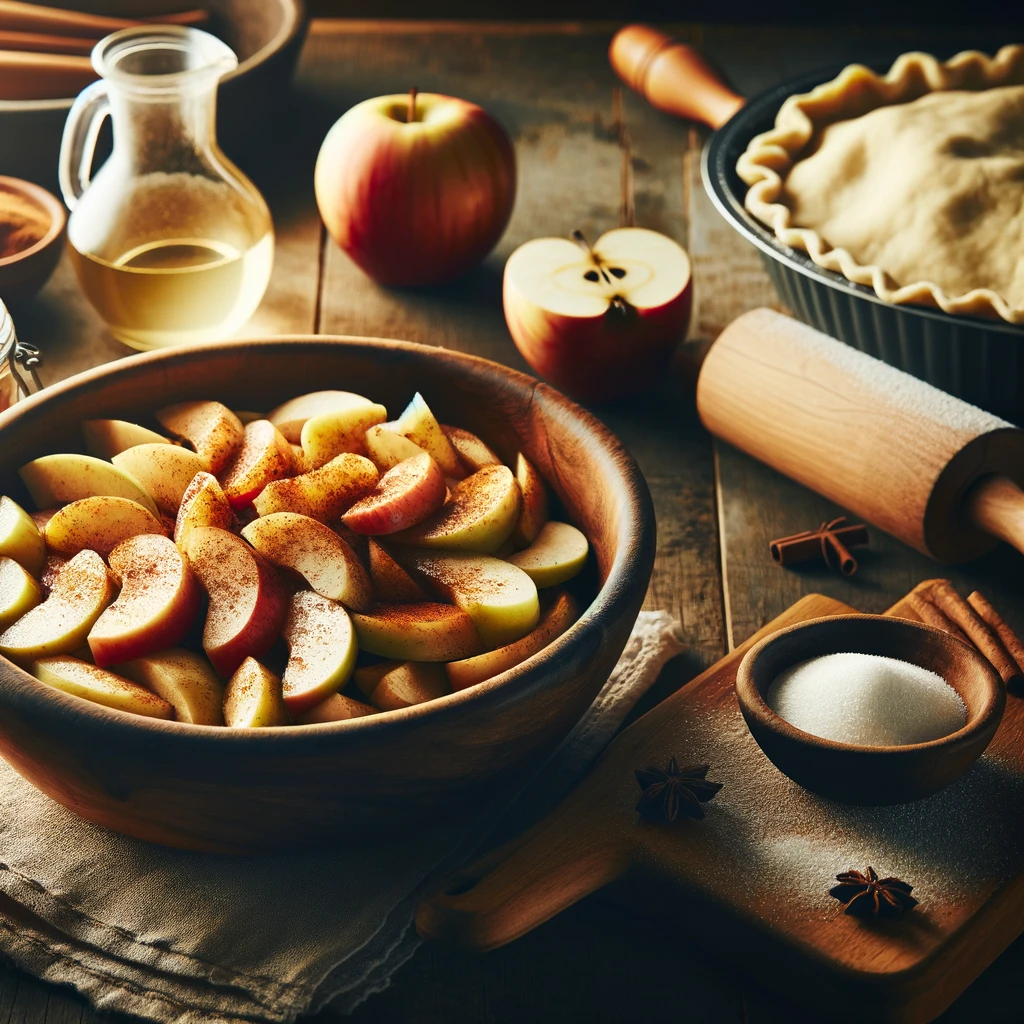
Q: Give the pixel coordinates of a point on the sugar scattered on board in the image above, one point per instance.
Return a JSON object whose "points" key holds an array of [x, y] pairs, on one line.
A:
{"points": [[867, 699]]}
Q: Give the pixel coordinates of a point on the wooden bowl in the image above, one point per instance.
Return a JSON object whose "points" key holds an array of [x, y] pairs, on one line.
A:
{"points": [[266, 35], [861, 774], [25, 272], [203, 787]]}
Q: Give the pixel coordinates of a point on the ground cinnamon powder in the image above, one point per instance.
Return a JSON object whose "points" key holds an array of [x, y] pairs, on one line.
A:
{"points": [[22, 224]]}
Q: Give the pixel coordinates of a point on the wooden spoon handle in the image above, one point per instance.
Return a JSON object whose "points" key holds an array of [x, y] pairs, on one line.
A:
{"points": [[672, 76], [43, 76], [996, 505], [40, 42], [16, 16]]}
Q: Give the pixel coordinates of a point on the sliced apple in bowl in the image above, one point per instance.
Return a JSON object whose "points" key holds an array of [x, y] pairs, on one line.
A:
{"points": [[19, 592], [253, 698], [408, 684], [20, 537], [106, 438], [204, 503], [388, 448], [185, 680], [291, 416], [558, 554], [390, 581], [57, 479], [342, 430], [212, 429], [324, 493], [426, 631], [473, 452], [82, 679], [419, 425], [534, 513], [337, 708], [164, 471], [98, 524], [321, 651], [263, 456], [404, 496]]}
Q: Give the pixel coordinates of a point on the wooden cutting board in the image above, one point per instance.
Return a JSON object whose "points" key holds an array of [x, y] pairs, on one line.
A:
{"points": [[750, 882]]}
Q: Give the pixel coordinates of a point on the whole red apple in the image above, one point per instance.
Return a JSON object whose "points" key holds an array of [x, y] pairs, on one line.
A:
{"points": [[416, 189], [599, 323]]}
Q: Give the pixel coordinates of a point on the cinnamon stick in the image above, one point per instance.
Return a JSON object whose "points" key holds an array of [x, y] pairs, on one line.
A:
{"points": [[835, 536], [995, 621], [933, 616]]}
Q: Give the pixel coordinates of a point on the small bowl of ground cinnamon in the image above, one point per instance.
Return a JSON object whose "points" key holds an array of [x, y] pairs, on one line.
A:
{"points": [[32, 223]]}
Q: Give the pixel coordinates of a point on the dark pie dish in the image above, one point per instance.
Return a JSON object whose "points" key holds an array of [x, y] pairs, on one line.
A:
{"points": [[871, 774]]}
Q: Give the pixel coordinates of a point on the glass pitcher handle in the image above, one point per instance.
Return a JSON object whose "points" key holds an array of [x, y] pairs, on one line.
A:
{"points": [[78, 146]]}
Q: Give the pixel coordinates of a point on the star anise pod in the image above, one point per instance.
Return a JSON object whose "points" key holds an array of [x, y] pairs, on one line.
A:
{"points": [[869, 896], [673, 791]]}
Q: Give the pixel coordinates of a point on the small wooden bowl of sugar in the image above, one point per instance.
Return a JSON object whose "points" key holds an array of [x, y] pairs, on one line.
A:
{"points": [[869, 709]]}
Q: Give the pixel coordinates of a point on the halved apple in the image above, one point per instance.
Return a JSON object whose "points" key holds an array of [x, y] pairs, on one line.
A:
{"points": [[60, 625], [164, 470], [314, 551], [390, 581], [554, 621], [185, 680], [252, 698], [558, 554], [204, 503], [264, 456], [212, 429], [426, 631], [470, 449], [19, 592], [248, 602], [20, 538], [534, 513], [98, 524], [337, 708], [158, 603], [343, 430], [321, 651], [403, 497], [291, 416], [500, 598], [106, 438], [388, 449], [479, 517], [409, 684], [85, 680], [323, 493], [57, 479], [419, 425]]}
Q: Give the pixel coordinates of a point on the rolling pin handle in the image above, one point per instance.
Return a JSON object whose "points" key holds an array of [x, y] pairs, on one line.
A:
{"points": [[996, 505], [672, 76]]}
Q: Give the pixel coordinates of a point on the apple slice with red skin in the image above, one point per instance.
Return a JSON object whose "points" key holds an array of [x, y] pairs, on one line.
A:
{"points": [[106, 438], [470, 449], [387, 448], [98, 524], [426, 631], [95, 684], [598, 323], [60, 625], [554, 621], [185, 680], [390, 581], [158, 603], [253, 698], [337, 708], [248, 601], [314, 551], [534, 513], [212, 429], [323, 493], [204, 503], [291, 416], [321, 651], [404, 496], [415, 682], [164, 470], [263, 456]]}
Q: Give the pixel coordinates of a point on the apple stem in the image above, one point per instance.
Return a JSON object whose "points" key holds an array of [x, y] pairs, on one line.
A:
{"points": [[411, 116]]}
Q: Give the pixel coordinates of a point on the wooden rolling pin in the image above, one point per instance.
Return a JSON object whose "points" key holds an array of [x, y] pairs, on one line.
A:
{"points": [[928, 468]]}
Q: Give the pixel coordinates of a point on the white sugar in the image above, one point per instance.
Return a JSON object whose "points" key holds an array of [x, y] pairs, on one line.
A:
{"points": [[867, 699]]}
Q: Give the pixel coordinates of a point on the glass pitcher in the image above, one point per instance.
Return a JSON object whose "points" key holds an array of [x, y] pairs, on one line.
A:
{"points": [[170, 241]]}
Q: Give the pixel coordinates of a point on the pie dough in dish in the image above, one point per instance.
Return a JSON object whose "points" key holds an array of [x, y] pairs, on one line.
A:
{"points": [[911, 183]]}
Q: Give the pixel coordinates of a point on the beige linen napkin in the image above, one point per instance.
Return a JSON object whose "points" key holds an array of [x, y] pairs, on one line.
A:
{"points": [[204, 939]]}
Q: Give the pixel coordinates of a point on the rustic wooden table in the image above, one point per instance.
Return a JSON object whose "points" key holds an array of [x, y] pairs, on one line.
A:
{"points": [[717, 509]]}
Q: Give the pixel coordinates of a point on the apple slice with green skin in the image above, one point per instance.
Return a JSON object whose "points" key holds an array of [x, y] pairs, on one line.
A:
{"points": [[323, 493], [334, 433], [426, 631], [106, 438], [248, 601], [404, 496], [479, 517], [554, 621], [86, 680], [19, 592], [419, 425], [412, 683], [314, 551], [470, 449], [291, 416], [98, 524], [164, 470], [185, 680], [204, 503], [60, 625], [337, 708], [253, 699], [558, 554], [386, 448], [264, 456], [20, 537], [321, 651], [57, 479], [500, 598], [534, 513], [212, 429], [601, 322], [158, 603], [390, 581]]}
